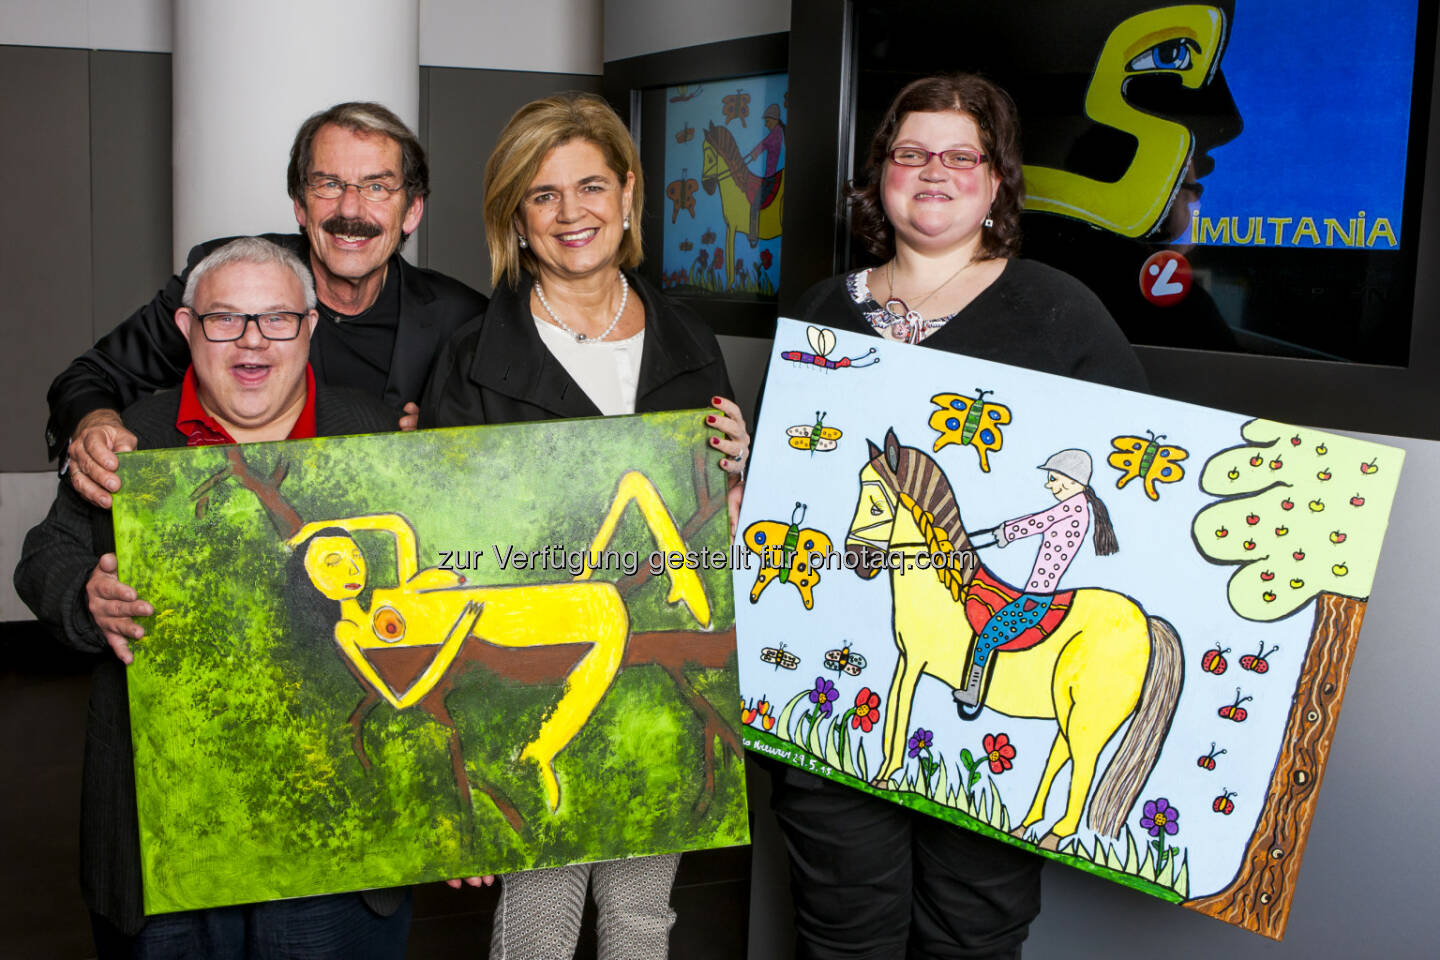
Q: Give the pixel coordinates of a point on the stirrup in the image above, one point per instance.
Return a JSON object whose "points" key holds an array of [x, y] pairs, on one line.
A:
{"points": [[970, 699]]}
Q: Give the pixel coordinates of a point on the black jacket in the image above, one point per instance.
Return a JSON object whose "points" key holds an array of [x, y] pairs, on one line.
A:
{"points": [[147, 352], [55, 564], [498, 370]]}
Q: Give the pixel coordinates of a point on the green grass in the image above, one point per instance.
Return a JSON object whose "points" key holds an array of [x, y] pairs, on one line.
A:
{"points": [[823, 746]]}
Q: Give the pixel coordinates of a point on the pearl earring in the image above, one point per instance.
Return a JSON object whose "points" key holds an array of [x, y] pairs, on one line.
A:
{"points": [[524, 243], [626, 224]]}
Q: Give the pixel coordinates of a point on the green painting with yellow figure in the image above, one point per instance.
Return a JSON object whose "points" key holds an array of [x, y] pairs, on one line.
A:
{"points": [[398, 658]]}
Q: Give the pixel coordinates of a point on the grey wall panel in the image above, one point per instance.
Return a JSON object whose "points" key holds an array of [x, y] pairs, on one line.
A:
{"points": [[45, 246], [129, 181], [466, 110]]}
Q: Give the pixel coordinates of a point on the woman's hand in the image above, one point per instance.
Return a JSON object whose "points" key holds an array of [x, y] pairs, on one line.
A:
{"points": [[736, 447]]}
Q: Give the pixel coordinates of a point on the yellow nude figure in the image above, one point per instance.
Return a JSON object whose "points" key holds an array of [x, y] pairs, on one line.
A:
{"points": [[438, 608]]}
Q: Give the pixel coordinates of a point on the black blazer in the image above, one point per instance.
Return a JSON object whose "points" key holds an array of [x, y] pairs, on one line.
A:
{"points": [[55, 564], [496, 369], [147, 352]]}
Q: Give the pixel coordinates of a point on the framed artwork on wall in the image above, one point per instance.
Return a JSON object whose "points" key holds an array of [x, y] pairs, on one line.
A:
{"points": [[711, 122]]}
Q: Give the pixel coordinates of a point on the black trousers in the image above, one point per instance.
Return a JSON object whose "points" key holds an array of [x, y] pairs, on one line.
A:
{"points": [[873, 880]]}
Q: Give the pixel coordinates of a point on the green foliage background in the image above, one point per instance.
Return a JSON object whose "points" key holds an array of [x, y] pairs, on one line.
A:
{"points": [[248, 784]]}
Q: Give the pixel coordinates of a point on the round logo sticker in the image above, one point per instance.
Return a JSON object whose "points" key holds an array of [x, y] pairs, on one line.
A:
{"points": [[1165, 278]]}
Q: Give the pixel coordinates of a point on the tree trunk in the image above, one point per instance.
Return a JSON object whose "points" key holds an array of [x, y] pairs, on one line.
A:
{"points": [[1259, 896]]}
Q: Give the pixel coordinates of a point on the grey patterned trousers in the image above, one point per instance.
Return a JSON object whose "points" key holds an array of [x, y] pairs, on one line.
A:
{"points": [[538, 917]]}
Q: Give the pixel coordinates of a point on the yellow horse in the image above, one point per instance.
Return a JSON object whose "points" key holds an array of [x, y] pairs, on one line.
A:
{"points": [[1105, 661], [724, 167], [433, 611]]}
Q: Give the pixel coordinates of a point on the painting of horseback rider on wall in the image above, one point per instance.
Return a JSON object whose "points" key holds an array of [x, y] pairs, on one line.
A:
{"points": [[385, 659], [1108, 628], [725, 160]]}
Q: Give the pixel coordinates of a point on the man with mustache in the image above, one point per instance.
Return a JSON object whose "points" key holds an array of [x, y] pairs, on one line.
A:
{"points": [[358, 179]]}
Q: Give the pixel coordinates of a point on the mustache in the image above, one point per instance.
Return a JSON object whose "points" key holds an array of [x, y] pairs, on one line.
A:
{"points": [[350, 226]]}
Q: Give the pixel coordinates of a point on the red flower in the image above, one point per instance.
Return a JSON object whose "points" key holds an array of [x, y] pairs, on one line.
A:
{"points": [[719, 261], [999, 751], [867, 710], [766, 258]]}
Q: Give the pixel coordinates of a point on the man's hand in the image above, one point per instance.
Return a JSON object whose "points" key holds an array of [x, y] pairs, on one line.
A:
{"points": [[484, 881], [98, 437], [409, 416], [113, 605]]}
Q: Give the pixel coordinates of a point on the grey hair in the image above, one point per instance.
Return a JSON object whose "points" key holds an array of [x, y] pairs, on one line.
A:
{"points": [[250, 250], [365, 118]]}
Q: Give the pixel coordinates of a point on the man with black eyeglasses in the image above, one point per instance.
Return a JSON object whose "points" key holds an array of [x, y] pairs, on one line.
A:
{"points": [[358, 179], [246, 320]]}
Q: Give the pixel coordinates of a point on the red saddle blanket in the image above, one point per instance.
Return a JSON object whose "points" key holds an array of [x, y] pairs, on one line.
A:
{"points": [[767, 188], [987, 595]]}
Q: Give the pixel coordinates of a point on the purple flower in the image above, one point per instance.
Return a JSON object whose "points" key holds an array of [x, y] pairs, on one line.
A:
{"points": [[1160, 817], [920, 740], [823, 696]]}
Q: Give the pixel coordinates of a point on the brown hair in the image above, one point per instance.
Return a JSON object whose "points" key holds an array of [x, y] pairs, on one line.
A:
{"points": [[363, 118], [537, 128], [994, 113]]}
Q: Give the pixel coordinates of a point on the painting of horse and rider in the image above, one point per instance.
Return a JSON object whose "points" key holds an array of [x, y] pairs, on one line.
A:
{"points": [[725, 161], [994, 625]]}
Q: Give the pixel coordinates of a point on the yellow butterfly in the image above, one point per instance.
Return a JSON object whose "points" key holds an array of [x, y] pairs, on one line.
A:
{"points": [[969, 420], [785, 552], [1150, 460]]}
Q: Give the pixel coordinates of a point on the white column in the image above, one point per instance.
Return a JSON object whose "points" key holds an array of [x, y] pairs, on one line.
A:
{"points": [[247, 74]]}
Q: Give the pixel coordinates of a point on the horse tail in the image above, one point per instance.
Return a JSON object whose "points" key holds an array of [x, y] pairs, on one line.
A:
{"points": [[1130, 767]]}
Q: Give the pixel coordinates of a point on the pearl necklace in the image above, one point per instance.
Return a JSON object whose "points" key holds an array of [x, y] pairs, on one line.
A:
{"points": [[580, 337]]}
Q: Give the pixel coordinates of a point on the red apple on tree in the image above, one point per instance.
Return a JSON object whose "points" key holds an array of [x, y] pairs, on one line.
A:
{"points": [[1336, 536], [1267, 575], [1222, 533], [1298, 554], [1295, 440], [1287, 504], [1256, 460], [1276, 464], [1323, 474], [1357, 501], [1368, 468], [1252, 519], [1249, 544]]}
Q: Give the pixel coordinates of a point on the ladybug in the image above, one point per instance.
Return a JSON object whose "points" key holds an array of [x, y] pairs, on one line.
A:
{"points": [[1256, 662], [1207, 762], [1214, 660], [1223, 803], [1233, 711]]}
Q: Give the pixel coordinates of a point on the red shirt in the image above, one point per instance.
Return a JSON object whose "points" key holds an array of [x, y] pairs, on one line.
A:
{"points": [[202, 430]]}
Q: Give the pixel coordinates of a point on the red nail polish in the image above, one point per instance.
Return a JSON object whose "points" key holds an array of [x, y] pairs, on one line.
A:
{"points": [[709, 419], [714, 441], [715, 401]]}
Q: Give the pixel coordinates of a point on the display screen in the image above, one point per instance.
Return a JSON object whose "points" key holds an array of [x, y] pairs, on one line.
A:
{"points": [[1234, 176]]}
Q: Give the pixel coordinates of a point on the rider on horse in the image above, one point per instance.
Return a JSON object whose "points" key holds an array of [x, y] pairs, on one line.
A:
{"points": [[765, 188], [1062, 532]]}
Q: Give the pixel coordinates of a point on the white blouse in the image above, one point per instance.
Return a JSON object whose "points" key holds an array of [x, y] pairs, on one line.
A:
{"points": [[607, 370]]}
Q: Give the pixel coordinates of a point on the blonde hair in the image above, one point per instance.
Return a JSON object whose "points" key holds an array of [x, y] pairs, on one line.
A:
{"points": [[537, 128]]}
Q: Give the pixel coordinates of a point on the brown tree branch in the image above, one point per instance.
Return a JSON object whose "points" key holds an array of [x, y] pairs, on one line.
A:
{"points": [[1260, 895]]}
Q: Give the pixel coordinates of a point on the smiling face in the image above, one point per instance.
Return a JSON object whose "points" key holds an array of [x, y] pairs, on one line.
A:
{"points": [[573, 213], [336, 567], [935, 209], [253, 386], [1061, 486], [352, 238]]}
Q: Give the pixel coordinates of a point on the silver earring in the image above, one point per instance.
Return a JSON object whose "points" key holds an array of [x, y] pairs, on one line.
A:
{"points": [[988, 224], [626, 224], [524, 243]]}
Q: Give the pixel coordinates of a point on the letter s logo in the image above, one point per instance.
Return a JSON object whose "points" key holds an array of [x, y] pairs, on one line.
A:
{"points": [[1186, 40]]}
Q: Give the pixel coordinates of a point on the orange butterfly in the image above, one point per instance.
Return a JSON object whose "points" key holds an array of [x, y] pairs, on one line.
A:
{"points": [[685, 135], [785, 551], [969, 420], [1150, 460], [736, 106], [682, 194]]}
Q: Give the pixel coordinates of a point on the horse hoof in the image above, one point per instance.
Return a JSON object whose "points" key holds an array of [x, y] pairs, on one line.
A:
{"points": [[1019, 832], [881, 783], [1050, 842]]}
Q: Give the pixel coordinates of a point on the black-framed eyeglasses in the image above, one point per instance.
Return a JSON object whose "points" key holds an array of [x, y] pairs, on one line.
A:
{"points": [[954, 159], [275, 325], [329, 188]]}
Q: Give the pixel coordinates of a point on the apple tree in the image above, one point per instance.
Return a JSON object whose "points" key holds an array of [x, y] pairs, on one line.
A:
{"points": [[1301, 514]]}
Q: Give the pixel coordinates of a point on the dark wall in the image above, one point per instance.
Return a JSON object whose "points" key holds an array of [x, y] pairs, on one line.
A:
{"points": [[87, 155]]}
